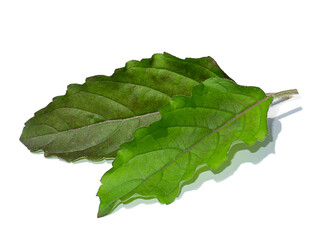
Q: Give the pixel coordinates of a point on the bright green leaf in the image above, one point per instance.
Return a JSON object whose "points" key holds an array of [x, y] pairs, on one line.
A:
{"points": [[195, 133], [92, 120]]}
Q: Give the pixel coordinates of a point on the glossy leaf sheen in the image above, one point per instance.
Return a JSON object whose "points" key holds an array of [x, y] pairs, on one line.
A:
{"points": [[195, 133], [92, 120]]}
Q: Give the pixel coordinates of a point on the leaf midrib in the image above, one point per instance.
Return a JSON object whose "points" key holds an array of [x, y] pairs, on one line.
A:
{"points": [[96, 124]]}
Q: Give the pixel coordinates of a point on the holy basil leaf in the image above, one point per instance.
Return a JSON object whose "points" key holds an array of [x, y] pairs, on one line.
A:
{"points": [[92, 120], [194, 134]]}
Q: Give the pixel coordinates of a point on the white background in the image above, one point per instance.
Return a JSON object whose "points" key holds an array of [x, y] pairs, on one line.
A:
{"points": [[274, 44]]}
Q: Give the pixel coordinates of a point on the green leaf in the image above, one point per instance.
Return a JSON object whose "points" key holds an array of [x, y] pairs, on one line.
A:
{"points": [[92, 120], [194, 134]]}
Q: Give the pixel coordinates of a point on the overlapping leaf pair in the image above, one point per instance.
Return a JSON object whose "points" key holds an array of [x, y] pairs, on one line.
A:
{"points": [[195, 110]]}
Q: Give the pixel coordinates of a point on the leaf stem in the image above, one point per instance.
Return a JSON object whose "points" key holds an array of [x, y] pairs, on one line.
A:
{"points": [[284, 94]]}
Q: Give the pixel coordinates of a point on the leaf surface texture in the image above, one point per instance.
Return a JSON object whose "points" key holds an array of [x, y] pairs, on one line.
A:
{"points": [[195, 133], [92, 120]]}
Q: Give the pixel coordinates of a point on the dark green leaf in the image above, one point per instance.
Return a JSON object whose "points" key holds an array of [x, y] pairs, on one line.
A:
{"points": [[92, 120], [195, 133]]}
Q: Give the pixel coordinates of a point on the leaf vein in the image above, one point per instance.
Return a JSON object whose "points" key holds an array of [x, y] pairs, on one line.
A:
{"points": [[195, 145], [99, 123]]}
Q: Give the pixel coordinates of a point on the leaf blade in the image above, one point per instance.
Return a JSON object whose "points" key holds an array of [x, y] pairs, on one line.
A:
{"points": [[165, 155], [132, 92]]}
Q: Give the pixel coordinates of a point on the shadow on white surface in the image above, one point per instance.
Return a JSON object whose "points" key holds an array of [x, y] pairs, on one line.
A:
{"points": [[242, 153], [239, 154]]}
